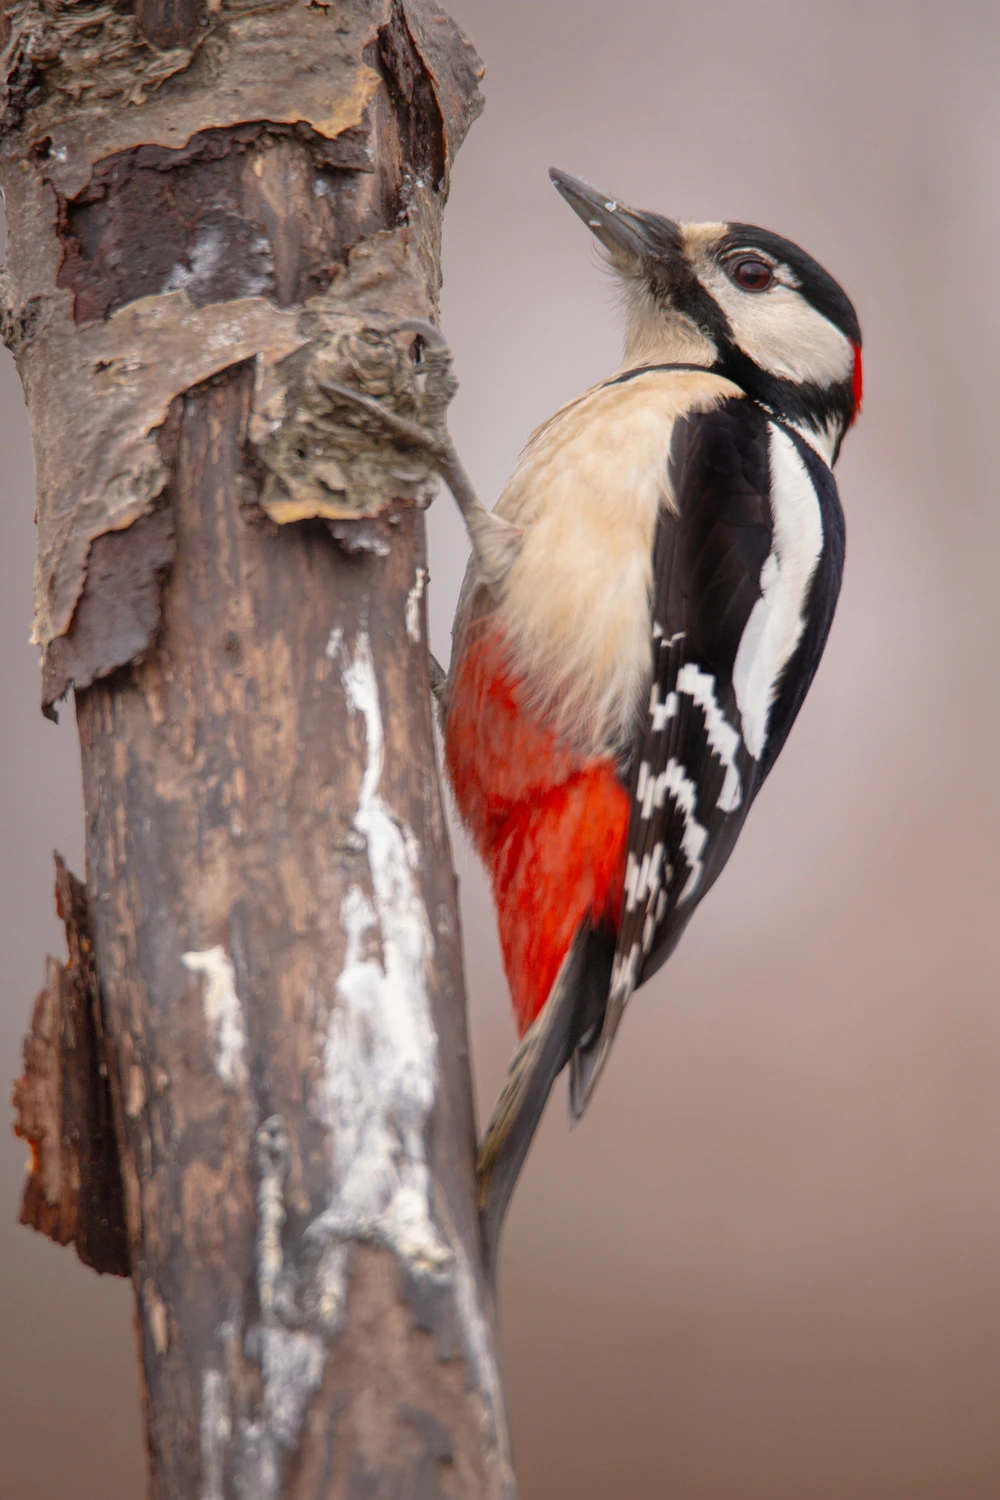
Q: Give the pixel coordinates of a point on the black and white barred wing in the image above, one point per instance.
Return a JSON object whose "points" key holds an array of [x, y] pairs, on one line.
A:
{"points": [[737, 572]]}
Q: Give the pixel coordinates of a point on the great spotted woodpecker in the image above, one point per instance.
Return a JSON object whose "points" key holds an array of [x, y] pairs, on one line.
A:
{"points": [[641, 618], [625, 674]]}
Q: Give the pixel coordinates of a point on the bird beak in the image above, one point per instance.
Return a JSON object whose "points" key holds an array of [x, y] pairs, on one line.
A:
{"points": [[618, 227]]}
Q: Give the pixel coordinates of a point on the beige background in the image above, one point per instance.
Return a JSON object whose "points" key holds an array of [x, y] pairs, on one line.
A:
{"points": [[767, 1265]]}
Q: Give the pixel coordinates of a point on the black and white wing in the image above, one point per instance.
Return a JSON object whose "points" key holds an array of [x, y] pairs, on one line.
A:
{"points": [[745, 581]]}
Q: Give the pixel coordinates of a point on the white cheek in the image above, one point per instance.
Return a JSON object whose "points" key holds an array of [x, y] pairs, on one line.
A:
{"points": [[783, 334]]}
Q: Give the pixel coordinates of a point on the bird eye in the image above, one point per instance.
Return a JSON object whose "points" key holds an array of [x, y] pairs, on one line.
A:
{"points": [[751, 274]]}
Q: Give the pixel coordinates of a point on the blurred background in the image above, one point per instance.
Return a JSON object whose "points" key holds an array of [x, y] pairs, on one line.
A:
{"points": [[766, 1266]]}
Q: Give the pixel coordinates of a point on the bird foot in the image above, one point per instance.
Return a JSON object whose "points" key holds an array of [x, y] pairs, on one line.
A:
{"points": [[427, 429], [494, 540]]}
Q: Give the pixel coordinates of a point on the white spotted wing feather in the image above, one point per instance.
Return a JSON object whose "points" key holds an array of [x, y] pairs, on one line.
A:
{"points": [[743, 587]]}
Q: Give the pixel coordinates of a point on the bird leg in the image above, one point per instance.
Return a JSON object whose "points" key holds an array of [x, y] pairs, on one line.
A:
{"points": [[494, 541]]}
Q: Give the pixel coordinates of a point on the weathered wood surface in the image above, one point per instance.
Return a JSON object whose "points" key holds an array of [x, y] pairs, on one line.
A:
{"points": [[202, 231], [63, 1106]]}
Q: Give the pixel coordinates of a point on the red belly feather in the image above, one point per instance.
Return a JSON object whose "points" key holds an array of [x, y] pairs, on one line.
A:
{"points": [[551, 825]]}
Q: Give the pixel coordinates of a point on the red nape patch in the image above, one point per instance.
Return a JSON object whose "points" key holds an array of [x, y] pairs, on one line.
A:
{"points": [[857, 381], [550, 825]]}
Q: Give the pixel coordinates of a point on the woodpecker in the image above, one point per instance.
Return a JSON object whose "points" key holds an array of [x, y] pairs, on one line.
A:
{"points": [[635, 638], [640, 621]]}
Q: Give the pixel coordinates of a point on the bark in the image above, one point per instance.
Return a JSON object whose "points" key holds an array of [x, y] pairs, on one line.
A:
{"points": [[63, 1105], [214, 214]]}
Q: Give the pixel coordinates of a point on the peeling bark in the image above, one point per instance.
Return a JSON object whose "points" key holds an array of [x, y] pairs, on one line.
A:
{"points": [[213, 216], [118, 612], [63, 1103], [155, 245]]}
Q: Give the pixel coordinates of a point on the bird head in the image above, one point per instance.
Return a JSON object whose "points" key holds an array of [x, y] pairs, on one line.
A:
{"points": [[737, 299]]}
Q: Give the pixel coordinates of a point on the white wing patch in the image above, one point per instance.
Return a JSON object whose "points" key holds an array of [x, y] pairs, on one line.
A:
{"points": [[694, 838], [659, 712], [699, 686], [778, 618]]}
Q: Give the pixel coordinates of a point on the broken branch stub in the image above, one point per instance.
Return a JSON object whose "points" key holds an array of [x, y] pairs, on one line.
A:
{"points": [[207, 237], [323, 459]]}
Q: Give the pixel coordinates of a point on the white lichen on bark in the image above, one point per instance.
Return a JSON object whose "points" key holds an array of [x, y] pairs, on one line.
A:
{"points": [[223, 1012], [216, 1431], [413, 599], [380, 1073]]}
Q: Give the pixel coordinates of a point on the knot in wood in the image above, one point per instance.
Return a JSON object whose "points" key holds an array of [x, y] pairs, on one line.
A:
{"points": [[331, 458]]}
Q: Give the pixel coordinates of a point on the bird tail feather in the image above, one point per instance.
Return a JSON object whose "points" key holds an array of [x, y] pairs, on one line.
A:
{"points": [[571, 1015]]}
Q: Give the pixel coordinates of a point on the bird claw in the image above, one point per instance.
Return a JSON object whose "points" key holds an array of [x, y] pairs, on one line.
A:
{"points": [[405, 428], [432, 336], [427, 431], [494, 540]]}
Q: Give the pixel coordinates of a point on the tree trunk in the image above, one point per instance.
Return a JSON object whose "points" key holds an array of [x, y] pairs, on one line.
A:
{"points": [[214, 212]]}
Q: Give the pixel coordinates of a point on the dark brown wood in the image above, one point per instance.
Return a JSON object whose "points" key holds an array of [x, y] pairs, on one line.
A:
{"points": [[119, 610], [63, 1104], [274, 909], [169, 23]]}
